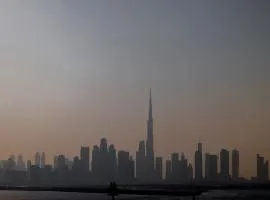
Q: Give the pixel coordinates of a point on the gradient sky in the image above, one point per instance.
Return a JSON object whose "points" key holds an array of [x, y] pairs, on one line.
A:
{"points": [[72, 72]]}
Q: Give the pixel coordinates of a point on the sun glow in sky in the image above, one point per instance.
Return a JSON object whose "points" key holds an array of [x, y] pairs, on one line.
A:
{"points": [[72, 72]]}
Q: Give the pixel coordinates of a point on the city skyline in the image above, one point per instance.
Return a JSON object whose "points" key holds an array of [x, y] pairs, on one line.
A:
{"points": [[72, 73], [226, 162]]}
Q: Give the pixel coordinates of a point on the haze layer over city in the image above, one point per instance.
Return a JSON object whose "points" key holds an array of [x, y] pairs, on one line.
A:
{"points": [[73, 73]]}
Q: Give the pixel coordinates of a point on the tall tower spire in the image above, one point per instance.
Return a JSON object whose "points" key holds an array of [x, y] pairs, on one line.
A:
{"points": [[150, 139], [150, 116]]}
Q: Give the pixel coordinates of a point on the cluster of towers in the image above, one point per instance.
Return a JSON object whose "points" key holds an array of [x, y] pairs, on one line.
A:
{"points": [[108, 164]]}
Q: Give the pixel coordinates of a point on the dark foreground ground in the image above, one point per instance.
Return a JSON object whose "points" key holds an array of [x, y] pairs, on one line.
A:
{"points": [[218, 195], [236, 191]]}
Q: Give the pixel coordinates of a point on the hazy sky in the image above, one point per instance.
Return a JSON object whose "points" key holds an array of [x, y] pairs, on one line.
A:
{"points": [[72, 72]]}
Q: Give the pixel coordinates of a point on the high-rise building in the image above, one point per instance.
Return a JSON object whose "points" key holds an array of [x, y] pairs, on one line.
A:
{"points": [[262, 169], [266, 171], [112, 163], [140, 162], [159, 168], [20, 163], [125, 167], [190, 173], [95, 161], [199, 163], [235, 164], [61, 162], [224, 164], [28, 166], [183, 169], [150, 138], [55, 162], [103, 145], [43, 160], [61, 172], [69, 163], [76, 164], [168, 170], [211, 167], [37, 159], [131, 169], [175, 167], [85, 158]]}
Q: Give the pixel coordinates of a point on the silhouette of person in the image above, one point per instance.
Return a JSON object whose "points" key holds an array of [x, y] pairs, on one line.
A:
{"points": [[113, 191]]}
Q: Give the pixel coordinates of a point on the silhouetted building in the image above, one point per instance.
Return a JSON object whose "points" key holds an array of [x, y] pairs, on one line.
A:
{"points": [[10, 164], [61, 172], [37, 159], [190, 173], [103, 161], [140, 162], [199, 163], [43, 160], [96, 172], [224, 164], [131, 169], [150, 142], [35, 175], [262, 169], [168, 170], [211, 167], [266, 171], [175, 167], [20, 163], [235, 164], [55, 162], [69, 163], [159, 168], [46, 176], [112, 168], [183, 169], [76, 164], [125, 168], [29, 165], [78, 176], [85, 159]]}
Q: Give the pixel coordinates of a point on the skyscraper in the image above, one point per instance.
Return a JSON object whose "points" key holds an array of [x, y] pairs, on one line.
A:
{"points": [[95, 160], [37, 159], [150, 139], [224, 164], [235, 164], [140, 162], [266, 171], [190, 173], [104, 160], [85, 158], [168, 169], [43, 160], [20, 163], [112, 168], [159, 167], [211, 167], [125, 167], [262, 169], [175, 175], [183, 169], [199, 163]]}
